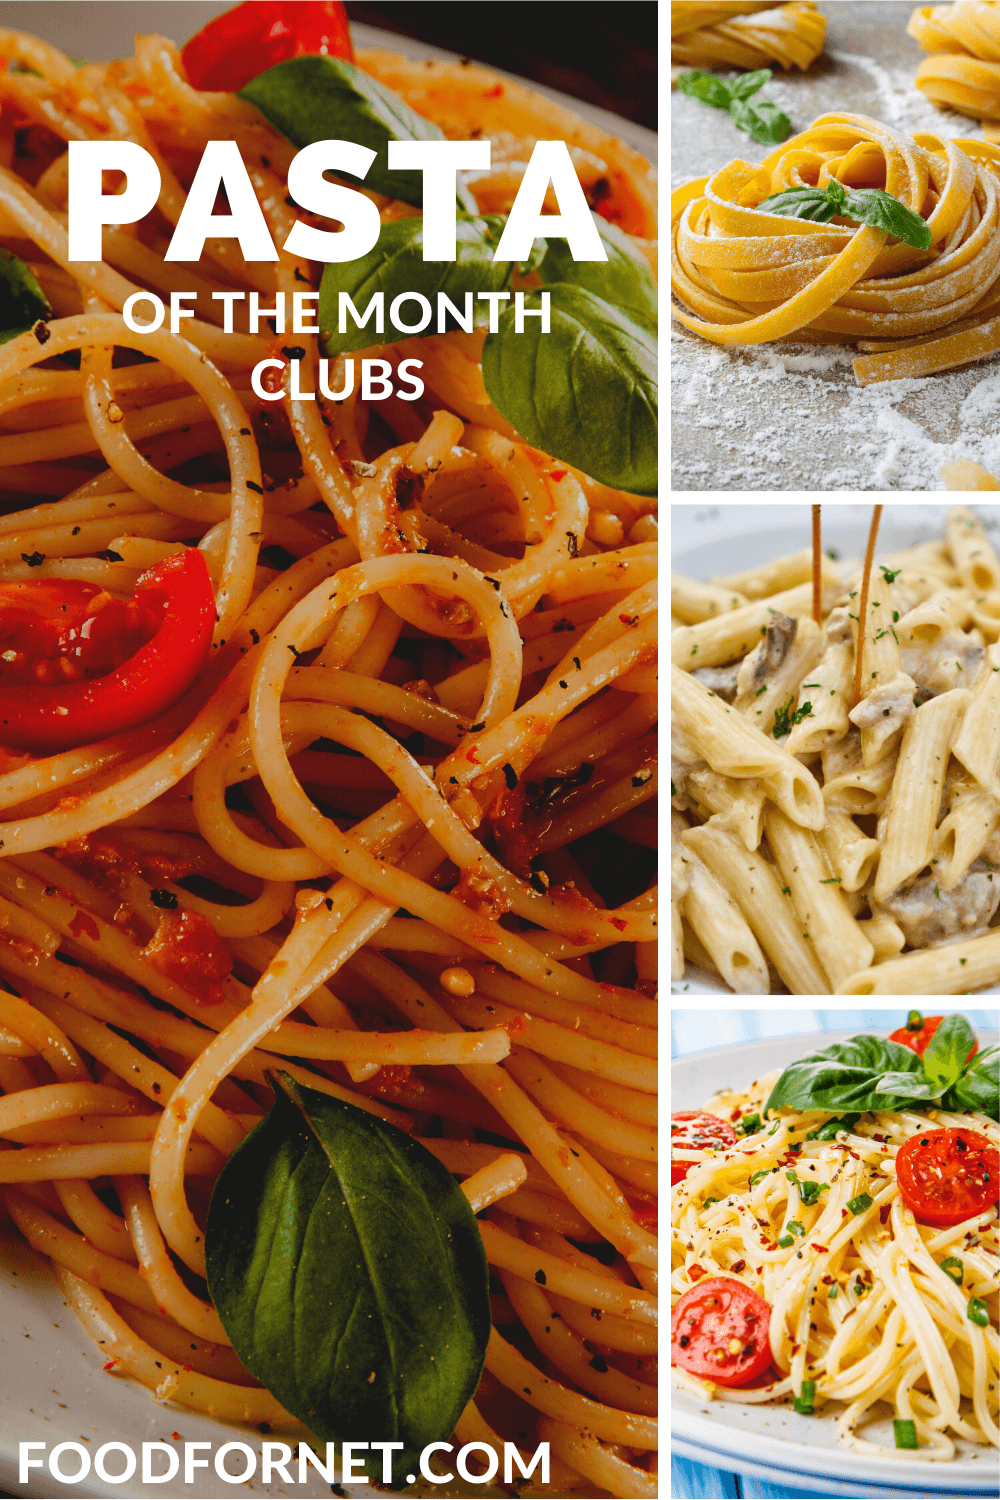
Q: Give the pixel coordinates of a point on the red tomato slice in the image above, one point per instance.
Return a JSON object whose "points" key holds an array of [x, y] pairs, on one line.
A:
{"points": [[947, 1176], [55, 630], [83, 665], [255, 36], [694, 1130], [918, 1041], [719, 1331]]}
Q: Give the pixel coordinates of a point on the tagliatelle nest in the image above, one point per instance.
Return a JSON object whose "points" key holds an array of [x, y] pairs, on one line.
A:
{"points": [[747, 276], [963, 72], [745, 33]]}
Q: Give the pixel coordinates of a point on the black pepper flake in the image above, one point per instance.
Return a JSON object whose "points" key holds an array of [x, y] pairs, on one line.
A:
{"points": [[510, 776], [540, 1277], [255, 637], [75, 531], [299, 276], [33, 559], [572, 545], [245, 432], [42, 331], [255, 487], [165, 900]]}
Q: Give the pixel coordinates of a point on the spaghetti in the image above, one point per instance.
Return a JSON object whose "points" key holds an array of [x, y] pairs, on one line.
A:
{"points": [[398, 829], [747, 276], [871, 1305]]}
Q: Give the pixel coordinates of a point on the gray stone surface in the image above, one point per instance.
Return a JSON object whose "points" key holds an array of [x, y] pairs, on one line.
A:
{"points": [[792, 417]]}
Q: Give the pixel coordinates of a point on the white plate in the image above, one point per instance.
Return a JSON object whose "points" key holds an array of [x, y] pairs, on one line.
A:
{"points": [[715, 540], [52, 1385], [774, 1442]]}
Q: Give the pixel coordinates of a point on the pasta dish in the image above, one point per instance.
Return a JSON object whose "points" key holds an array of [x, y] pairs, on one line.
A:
{"points": [[834, 1240], [327, 767], [850, 232], [835, 805]]}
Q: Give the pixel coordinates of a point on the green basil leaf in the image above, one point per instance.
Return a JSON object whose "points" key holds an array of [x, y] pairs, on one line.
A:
{"points": [[624, 279], [762, 122], [347, 1269], [314, 98], [906, 1086], [22, 301], [397, 265], [979, 1086], [845, 1076], [881, 210], [945, 1054], [801, 203], [586, 391], [749, 83], [706, 88]]}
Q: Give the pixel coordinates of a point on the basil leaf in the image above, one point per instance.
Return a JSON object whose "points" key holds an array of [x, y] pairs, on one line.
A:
{"points": [[22, 301], [314, 98], [586, 391], [749, 83], [845, 1076], [881, 210], [762, 122], [945, 1054], [397, 265], [979, 1086], [707, 88], [906, 1086], [801, 203], [347, 1269], [624, 279]]}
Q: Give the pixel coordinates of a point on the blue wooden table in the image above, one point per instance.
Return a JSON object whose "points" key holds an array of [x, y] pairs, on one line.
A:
{"points": [[697, 1030]]}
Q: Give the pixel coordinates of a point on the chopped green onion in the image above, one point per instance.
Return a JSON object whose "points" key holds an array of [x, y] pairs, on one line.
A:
{"points": [[803, 1402], [861, 1204], [712, 1200], [750, 1124], [831, 1129], [785, 1241], [795, 1227], [953, 1267], [914, 1022], [977, 1312], [808, 1191], [832, 1294], [906, 1433], [759, 1176]]}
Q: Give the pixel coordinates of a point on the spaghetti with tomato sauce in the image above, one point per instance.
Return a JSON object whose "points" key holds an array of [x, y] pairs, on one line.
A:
{"points": [[841, 1260], [327, 744]]}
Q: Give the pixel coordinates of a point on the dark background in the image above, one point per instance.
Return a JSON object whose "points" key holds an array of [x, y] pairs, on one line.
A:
{"points": [[603, 53]]}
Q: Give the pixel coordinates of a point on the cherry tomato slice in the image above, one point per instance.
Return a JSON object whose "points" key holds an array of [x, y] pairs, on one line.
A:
{"points": [[58, 630], [918, 1041], [719, 1332], [102, 665], [255, 36], [694, 1130], [947, 1176]]}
